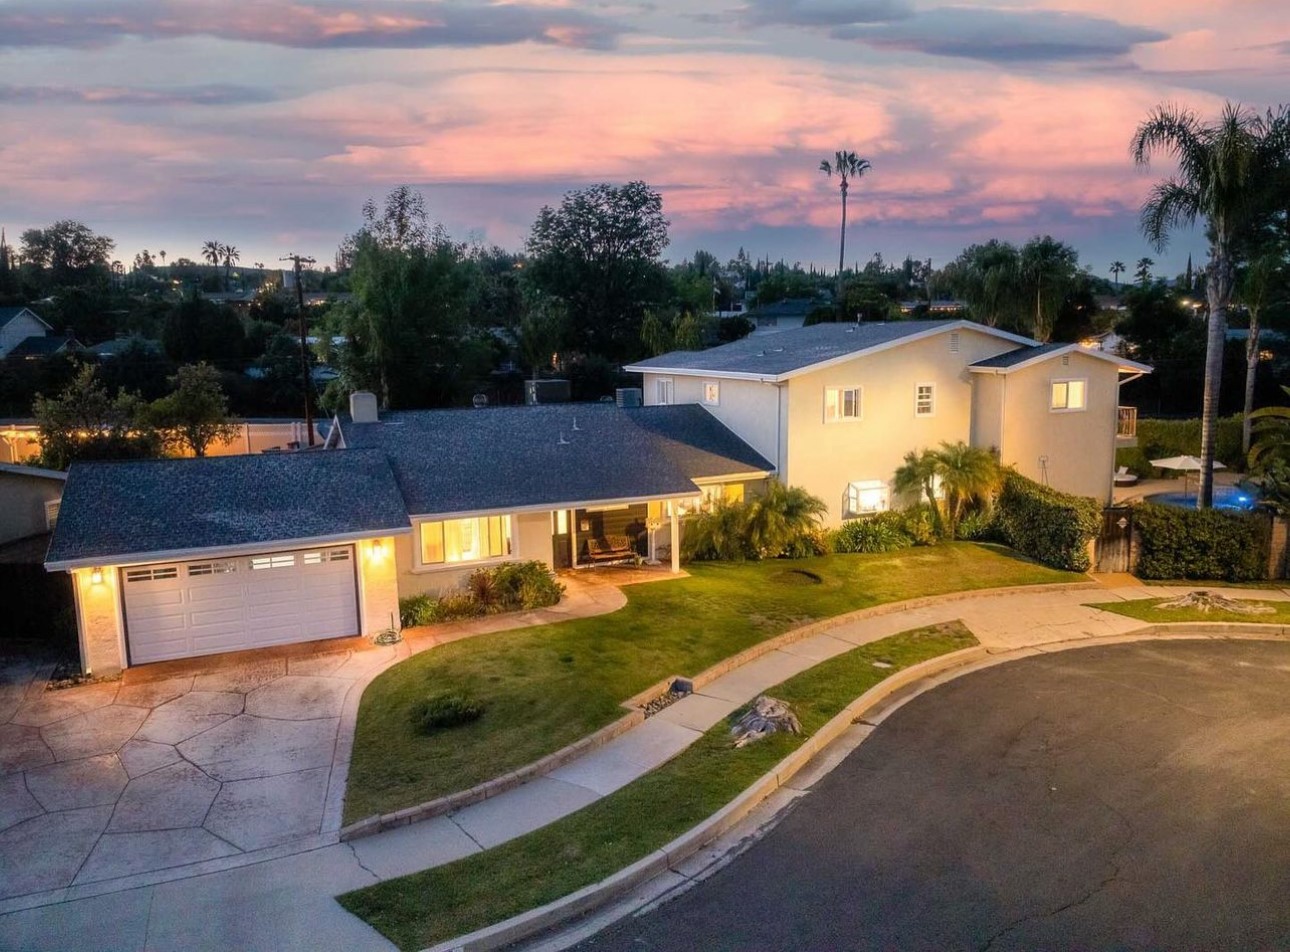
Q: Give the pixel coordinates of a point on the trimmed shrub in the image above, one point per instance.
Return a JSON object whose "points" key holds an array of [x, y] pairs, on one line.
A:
{"points": [[523, 585], [884, 532], [1201, 543], [444, 710], [782, 522], [416, 610], [1052, 527], [978, 526], [1160, 438], [717, 534], [921, 524], [511, 586]]}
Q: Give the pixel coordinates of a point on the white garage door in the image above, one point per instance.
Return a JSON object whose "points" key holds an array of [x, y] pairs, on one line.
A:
{"points": [[181, 609]]}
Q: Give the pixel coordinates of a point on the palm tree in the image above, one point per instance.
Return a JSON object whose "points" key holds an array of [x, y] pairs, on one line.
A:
{"points": [[846, 166], [781, 516], [1117, 269], [211, 251], [1226, 170], [231, 257], [917, 477], [1143, 274], [1254, 287], [967, 474]]}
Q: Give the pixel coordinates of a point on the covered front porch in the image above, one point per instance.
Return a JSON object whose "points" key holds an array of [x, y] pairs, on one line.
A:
{"points": [[641, 531]]}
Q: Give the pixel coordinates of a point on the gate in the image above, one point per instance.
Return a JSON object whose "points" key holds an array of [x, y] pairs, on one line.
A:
{"points": [[1115, 543]]}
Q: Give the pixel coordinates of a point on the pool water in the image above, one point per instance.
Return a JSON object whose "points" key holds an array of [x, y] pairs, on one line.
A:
{"points": [[1225, 497]]}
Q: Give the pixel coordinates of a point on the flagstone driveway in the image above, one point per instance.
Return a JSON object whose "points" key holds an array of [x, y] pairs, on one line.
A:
{"points": [[112, 779]]}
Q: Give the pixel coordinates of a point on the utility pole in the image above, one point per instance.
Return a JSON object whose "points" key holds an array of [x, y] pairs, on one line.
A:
{"points": [[297, 261]]}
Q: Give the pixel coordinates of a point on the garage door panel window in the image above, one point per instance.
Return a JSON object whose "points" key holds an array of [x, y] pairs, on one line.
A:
{"points": [[262, 562], [159, 574], [211, 568], [465, 540]]}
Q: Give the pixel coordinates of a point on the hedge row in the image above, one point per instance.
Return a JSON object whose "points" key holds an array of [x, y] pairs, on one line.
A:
{"points": [[1160, 438], [1201, 543], [1053, 527]]}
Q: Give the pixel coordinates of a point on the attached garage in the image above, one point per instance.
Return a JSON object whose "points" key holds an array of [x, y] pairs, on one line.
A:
{"points": [[178, 558], [183, 609]]}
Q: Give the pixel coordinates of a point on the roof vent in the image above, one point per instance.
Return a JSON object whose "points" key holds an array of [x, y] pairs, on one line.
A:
{"points": [[1066, 360], [954, 342], [362, 407]]}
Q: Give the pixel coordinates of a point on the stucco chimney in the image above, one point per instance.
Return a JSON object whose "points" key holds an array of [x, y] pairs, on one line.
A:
{"points": [[362, 407]]}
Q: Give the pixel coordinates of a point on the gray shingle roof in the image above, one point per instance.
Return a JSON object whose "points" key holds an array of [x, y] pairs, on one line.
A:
{"points": [[789, 351], [1020, 356], [116, 510], [449, 461], [43, 346], [7, 314]]}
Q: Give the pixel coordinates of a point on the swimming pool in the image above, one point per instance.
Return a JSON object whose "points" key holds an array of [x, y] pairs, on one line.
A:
{"points": [[1225, 497]]}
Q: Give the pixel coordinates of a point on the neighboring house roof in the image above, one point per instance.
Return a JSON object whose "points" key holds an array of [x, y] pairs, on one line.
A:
{"points": [[792, 307], [119, 345], [35, 472], [153, 510], [1025, 356], [43, 346], [799, 351], [552, 455], [8, 314]]}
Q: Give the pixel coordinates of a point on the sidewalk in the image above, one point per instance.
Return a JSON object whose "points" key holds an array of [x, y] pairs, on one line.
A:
{"points": [[287, 902]]}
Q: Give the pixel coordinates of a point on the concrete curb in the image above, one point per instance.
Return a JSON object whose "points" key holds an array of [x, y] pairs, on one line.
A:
{"points": [[635, 704], [687, 844]]}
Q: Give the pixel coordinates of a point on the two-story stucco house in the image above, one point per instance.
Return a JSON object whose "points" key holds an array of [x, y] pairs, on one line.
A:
{"points": [[836, 407]]}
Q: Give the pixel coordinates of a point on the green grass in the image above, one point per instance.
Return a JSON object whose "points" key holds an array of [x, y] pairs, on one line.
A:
{"points": [[427, 907], [1144, 609], [548, 686]]}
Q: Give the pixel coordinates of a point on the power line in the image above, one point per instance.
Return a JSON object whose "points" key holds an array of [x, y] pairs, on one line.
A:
{"points": [[305, 377]]}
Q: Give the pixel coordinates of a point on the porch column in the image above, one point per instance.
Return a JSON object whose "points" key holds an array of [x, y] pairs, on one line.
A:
{"points": [[676, 537]]}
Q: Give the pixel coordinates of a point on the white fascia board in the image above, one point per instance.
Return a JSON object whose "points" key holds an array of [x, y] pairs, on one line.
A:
{"points": [[1124, 365], [732, 477], [840, 359], [549, 506], [219, 551], [19, 470]]}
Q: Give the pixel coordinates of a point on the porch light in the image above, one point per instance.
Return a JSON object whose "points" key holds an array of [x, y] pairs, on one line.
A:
{"points": [[377, 552], [96, 576]]}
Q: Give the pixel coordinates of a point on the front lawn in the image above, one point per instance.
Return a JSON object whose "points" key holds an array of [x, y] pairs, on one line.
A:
{"points": [[427, 907], [548, 686], [1144, 609]]}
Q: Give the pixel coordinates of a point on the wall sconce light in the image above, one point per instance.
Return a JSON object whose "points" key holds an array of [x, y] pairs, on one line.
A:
{"points": [[377, 552], [96, 576]]}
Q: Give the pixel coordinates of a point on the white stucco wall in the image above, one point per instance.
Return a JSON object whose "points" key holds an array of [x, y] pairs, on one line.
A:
{"points": [[22, 504], [749, 408]]}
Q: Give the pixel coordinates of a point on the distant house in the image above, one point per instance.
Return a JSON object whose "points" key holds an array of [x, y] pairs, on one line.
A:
{"points": [[18, 324], [35, 348], [940, 307], [782, 315], [110, 349]]}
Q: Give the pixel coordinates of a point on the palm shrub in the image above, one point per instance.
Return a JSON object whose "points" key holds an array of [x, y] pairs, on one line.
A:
{"points": [[784, 519], [922, 523], [917, 478], [717, 534], [970, 476]]}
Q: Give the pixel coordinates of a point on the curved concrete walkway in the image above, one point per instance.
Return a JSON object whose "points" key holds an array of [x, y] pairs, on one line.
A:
{"points": [[282, 897]]}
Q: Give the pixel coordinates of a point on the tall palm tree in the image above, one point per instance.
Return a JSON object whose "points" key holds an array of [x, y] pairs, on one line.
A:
{"points": [[1143, 274], [231, 256], [211, 252], [1254, 287], [1226, 170], [162, 256], [846, 166], [1117, 269]]}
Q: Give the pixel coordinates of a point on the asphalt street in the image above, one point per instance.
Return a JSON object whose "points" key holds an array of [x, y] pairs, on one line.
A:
{"points": [[1117, 797]]}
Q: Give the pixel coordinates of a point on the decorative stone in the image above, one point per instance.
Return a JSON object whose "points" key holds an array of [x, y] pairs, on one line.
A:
{"points": [[766, 716], [1207, 601]]}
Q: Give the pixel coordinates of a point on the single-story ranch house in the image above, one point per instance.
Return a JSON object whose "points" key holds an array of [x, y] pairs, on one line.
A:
{"points": [[182, 557]]}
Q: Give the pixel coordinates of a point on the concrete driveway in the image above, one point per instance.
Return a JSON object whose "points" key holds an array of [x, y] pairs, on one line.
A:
{"points": [[1116, 797], [172, 765]]}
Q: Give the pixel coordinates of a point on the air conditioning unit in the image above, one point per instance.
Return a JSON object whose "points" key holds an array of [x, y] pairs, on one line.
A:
{"points": [[629, 396]]}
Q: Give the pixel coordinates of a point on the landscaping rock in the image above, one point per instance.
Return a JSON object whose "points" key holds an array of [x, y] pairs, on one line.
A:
{"points": [[766, 716], [1206, 601]]}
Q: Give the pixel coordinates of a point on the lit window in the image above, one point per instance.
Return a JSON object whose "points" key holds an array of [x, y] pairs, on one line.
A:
{"points": [[1069, 394], [722, 492], [925, 399], [841, 403], [865, 497], [663, 391], [465, 540], [711, 393]]}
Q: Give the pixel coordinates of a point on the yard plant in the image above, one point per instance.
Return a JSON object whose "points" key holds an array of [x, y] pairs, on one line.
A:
{"points": [[547, 686]]}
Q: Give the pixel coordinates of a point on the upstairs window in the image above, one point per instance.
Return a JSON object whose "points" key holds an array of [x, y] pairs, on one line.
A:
{"points": [[1069, 395], [711, 393], [841, 404], [925, 399]]}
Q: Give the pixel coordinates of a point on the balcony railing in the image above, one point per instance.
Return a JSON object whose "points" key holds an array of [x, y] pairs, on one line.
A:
{"points": [[1126, 423]]}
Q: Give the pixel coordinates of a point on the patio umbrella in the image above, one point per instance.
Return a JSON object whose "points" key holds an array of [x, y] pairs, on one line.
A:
{"points": [[1187, 464]]}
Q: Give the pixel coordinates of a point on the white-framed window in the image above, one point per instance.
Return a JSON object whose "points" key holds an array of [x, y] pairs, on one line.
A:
{"points": [[711, 393], [721, 492], [841, 404], [465, 540], [925, 399], [1069, 395], [864, 497], [663, 391]]}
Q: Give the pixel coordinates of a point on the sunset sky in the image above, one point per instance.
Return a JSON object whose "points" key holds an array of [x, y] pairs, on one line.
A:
{"points": [[164, 123]]}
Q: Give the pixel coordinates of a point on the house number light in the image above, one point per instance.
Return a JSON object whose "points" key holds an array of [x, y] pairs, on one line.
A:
{"points": [[1123, 523]]}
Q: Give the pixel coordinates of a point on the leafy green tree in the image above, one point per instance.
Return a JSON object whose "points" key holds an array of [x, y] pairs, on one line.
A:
{"points": [[987, 278], [663, 332], [66, 253], [1048, 270], [540, 333], [600, 254], [84, 422], [198, 330], [1155, 322], [1226, 171], [195, 414], [1255, 287]]}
